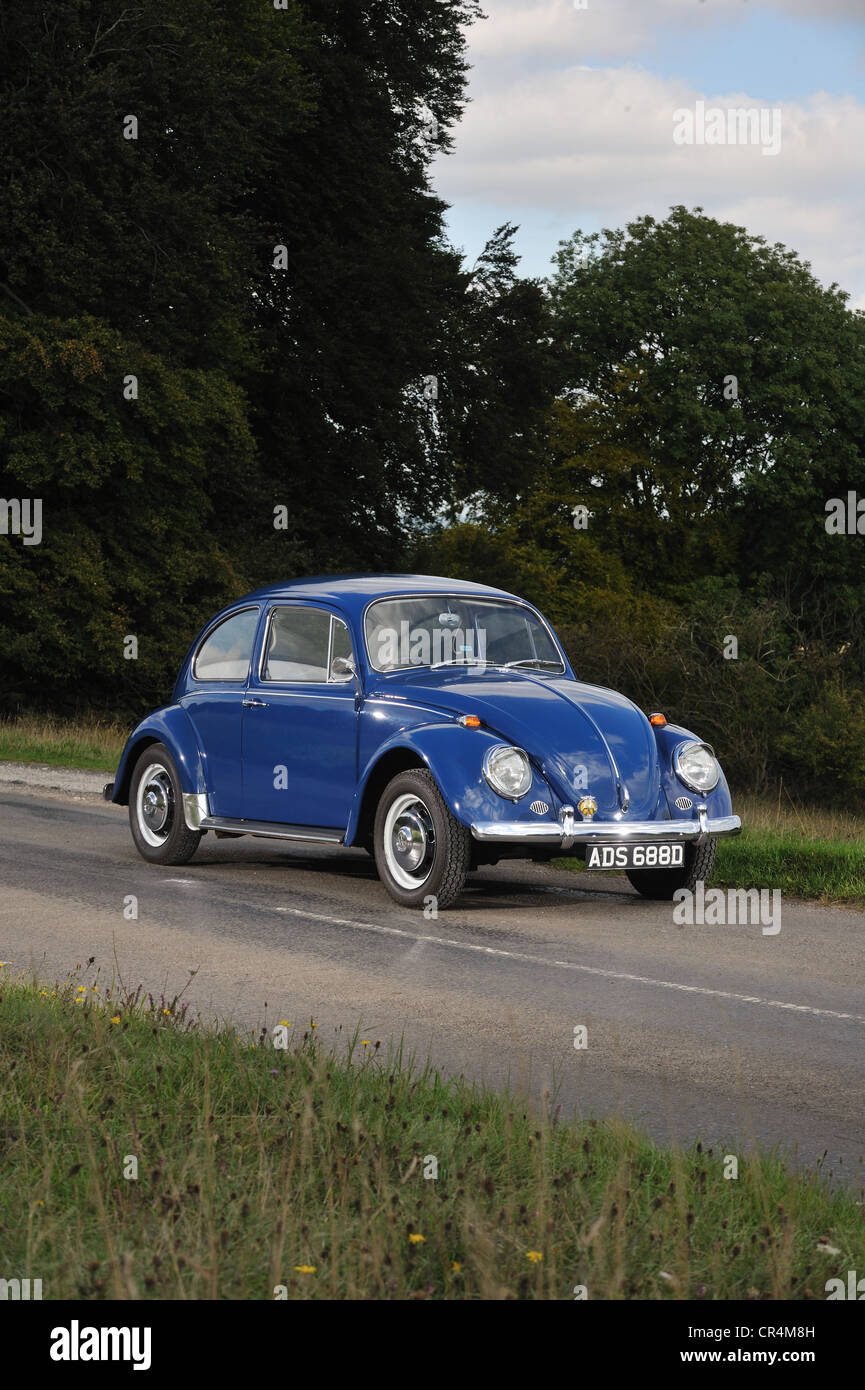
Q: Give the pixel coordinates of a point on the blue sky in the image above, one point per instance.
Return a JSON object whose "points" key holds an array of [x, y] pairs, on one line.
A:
{"points": [[571, 123]]}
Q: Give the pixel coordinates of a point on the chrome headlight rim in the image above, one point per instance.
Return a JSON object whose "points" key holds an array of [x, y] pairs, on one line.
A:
{"points": [[681, 750], [489, 772]]}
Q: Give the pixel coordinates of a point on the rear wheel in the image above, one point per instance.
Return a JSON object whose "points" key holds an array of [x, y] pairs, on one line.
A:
{"points": [[663, 883], [156, 817], [421, 850]]}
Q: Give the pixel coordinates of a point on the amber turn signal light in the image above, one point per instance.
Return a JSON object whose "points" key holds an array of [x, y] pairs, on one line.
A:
{"points": [[659, 720], [469, 721]]}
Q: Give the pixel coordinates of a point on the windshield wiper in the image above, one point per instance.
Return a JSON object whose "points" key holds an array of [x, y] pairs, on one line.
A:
{"points": [[535, 661], [458, 661]]}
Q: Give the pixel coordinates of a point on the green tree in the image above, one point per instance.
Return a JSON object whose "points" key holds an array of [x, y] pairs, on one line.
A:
{"points": [[137, 498], [728, 384]]}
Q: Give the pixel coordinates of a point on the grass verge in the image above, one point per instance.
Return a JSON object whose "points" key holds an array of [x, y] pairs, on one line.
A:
{"points": [[259, 1168], [91, 744]]}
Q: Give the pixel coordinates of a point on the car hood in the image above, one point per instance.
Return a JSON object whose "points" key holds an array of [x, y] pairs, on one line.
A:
{"points": [[583, 738]]}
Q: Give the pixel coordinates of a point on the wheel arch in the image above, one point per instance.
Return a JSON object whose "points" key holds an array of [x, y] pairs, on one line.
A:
{"points": [[170, 726], [389, 765]]}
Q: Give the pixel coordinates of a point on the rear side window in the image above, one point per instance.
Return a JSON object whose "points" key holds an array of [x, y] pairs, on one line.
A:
{"points": [[226, 652]]}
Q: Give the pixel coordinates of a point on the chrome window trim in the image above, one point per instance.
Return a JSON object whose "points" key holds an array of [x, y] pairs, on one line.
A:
{"points": [[306, 607], [210, 680], [478, 598]]}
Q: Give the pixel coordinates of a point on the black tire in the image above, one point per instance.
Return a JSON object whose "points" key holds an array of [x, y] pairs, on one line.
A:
{"points": [[162, 835], [663, 883], [443, 843]]}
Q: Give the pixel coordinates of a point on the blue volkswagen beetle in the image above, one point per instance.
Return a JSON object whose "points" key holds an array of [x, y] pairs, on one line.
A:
{"points": [[437, 724]]}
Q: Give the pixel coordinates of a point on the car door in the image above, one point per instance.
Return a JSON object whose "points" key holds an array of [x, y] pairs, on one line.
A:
{"points": [[300, 722], [220, 670]]}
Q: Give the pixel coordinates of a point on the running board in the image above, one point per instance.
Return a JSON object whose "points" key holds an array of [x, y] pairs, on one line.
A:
{"points": [[272, 830]]}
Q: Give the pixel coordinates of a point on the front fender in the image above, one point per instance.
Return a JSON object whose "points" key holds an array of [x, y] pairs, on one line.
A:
{"points": [[718, 801], [170, 725], [454, 756]]}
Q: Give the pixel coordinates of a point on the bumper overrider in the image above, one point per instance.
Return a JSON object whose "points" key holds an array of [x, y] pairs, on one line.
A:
{"points": [[568, 831]]}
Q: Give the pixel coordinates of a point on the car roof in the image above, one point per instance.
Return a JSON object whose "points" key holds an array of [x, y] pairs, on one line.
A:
{"points": [[354, 591]]}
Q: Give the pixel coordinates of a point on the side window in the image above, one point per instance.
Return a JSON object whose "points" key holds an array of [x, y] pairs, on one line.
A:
{"points": [[301, 645], [297, 645], [225, 655]]}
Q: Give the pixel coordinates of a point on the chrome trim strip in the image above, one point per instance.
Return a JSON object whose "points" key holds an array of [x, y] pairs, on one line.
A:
{"points": [[585, 832], [195, 809], [268, 830]]}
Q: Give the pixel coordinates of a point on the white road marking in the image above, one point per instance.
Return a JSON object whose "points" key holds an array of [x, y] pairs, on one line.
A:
{"points": [[572, 965], [180, 880]]}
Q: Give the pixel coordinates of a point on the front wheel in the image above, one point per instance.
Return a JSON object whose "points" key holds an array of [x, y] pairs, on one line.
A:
{"points": [[156, 817], [663, 883], [421, 850]]}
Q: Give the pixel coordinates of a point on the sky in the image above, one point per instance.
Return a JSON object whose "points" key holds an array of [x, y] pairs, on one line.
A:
{"points": [[572, 117]]}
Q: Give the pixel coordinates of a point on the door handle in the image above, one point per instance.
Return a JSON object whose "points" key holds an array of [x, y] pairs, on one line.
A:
{"points": [[255, 704]]}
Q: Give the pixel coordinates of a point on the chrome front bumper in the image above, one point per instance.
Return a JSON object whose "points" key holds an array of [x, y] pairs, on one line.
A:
{"points": [[568, 831]]}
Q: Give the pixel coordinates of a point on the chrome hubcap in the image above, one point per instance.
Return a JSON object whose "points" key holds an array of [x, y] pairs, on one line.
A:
{"points": [[156, 805], [409, 841]]}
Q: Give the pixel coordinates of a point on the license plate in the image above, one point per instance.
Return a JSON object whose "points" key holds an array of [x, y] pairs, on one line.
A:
{"points": [[654, 856]]}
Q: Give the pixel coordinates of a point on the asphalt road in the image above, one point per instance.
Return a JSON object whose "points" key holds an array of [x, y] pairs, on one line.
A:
{"points": [[716, 1032]]}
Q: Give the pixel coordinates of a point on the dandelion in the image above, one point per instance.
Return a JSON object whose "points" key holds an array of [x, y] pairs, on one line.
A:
{"points": [[284, 1023], [535, 1256], [95, 989], [365, 1042], [167, 1011], [116, 1018], [416, 1238], [305, 1269], [456, 1267], [81, 990]]}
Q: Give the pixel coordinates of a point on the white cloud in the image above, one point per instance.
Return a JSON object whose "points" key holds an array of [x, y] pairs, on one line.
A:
{"points": [[519, 30], [593, 145]]}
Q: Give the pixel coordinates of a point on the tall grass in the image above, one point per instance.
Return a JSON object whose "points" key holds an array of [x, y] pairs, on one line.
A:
{"points": [[92, 744], [261, 1169]]}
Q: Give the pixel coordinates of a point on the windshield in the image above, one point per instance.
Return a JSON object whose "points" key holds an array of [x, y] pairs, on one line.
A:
{"points": [[444, 630]]}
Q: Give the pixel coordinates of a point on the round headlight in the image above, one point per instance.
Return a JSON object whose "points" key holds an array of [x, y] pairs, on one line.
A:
{"points": [[508, 771], [695, 764]]}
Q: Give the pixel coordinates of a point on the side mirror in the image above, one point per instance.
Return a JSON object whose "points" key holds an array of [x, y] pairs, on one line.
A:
{"points": [[342, 668]]}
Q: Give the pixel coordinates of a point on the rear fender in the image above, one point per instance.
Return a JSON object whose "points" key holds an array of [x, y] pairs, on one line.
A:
{"points": [[171, 726]]}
